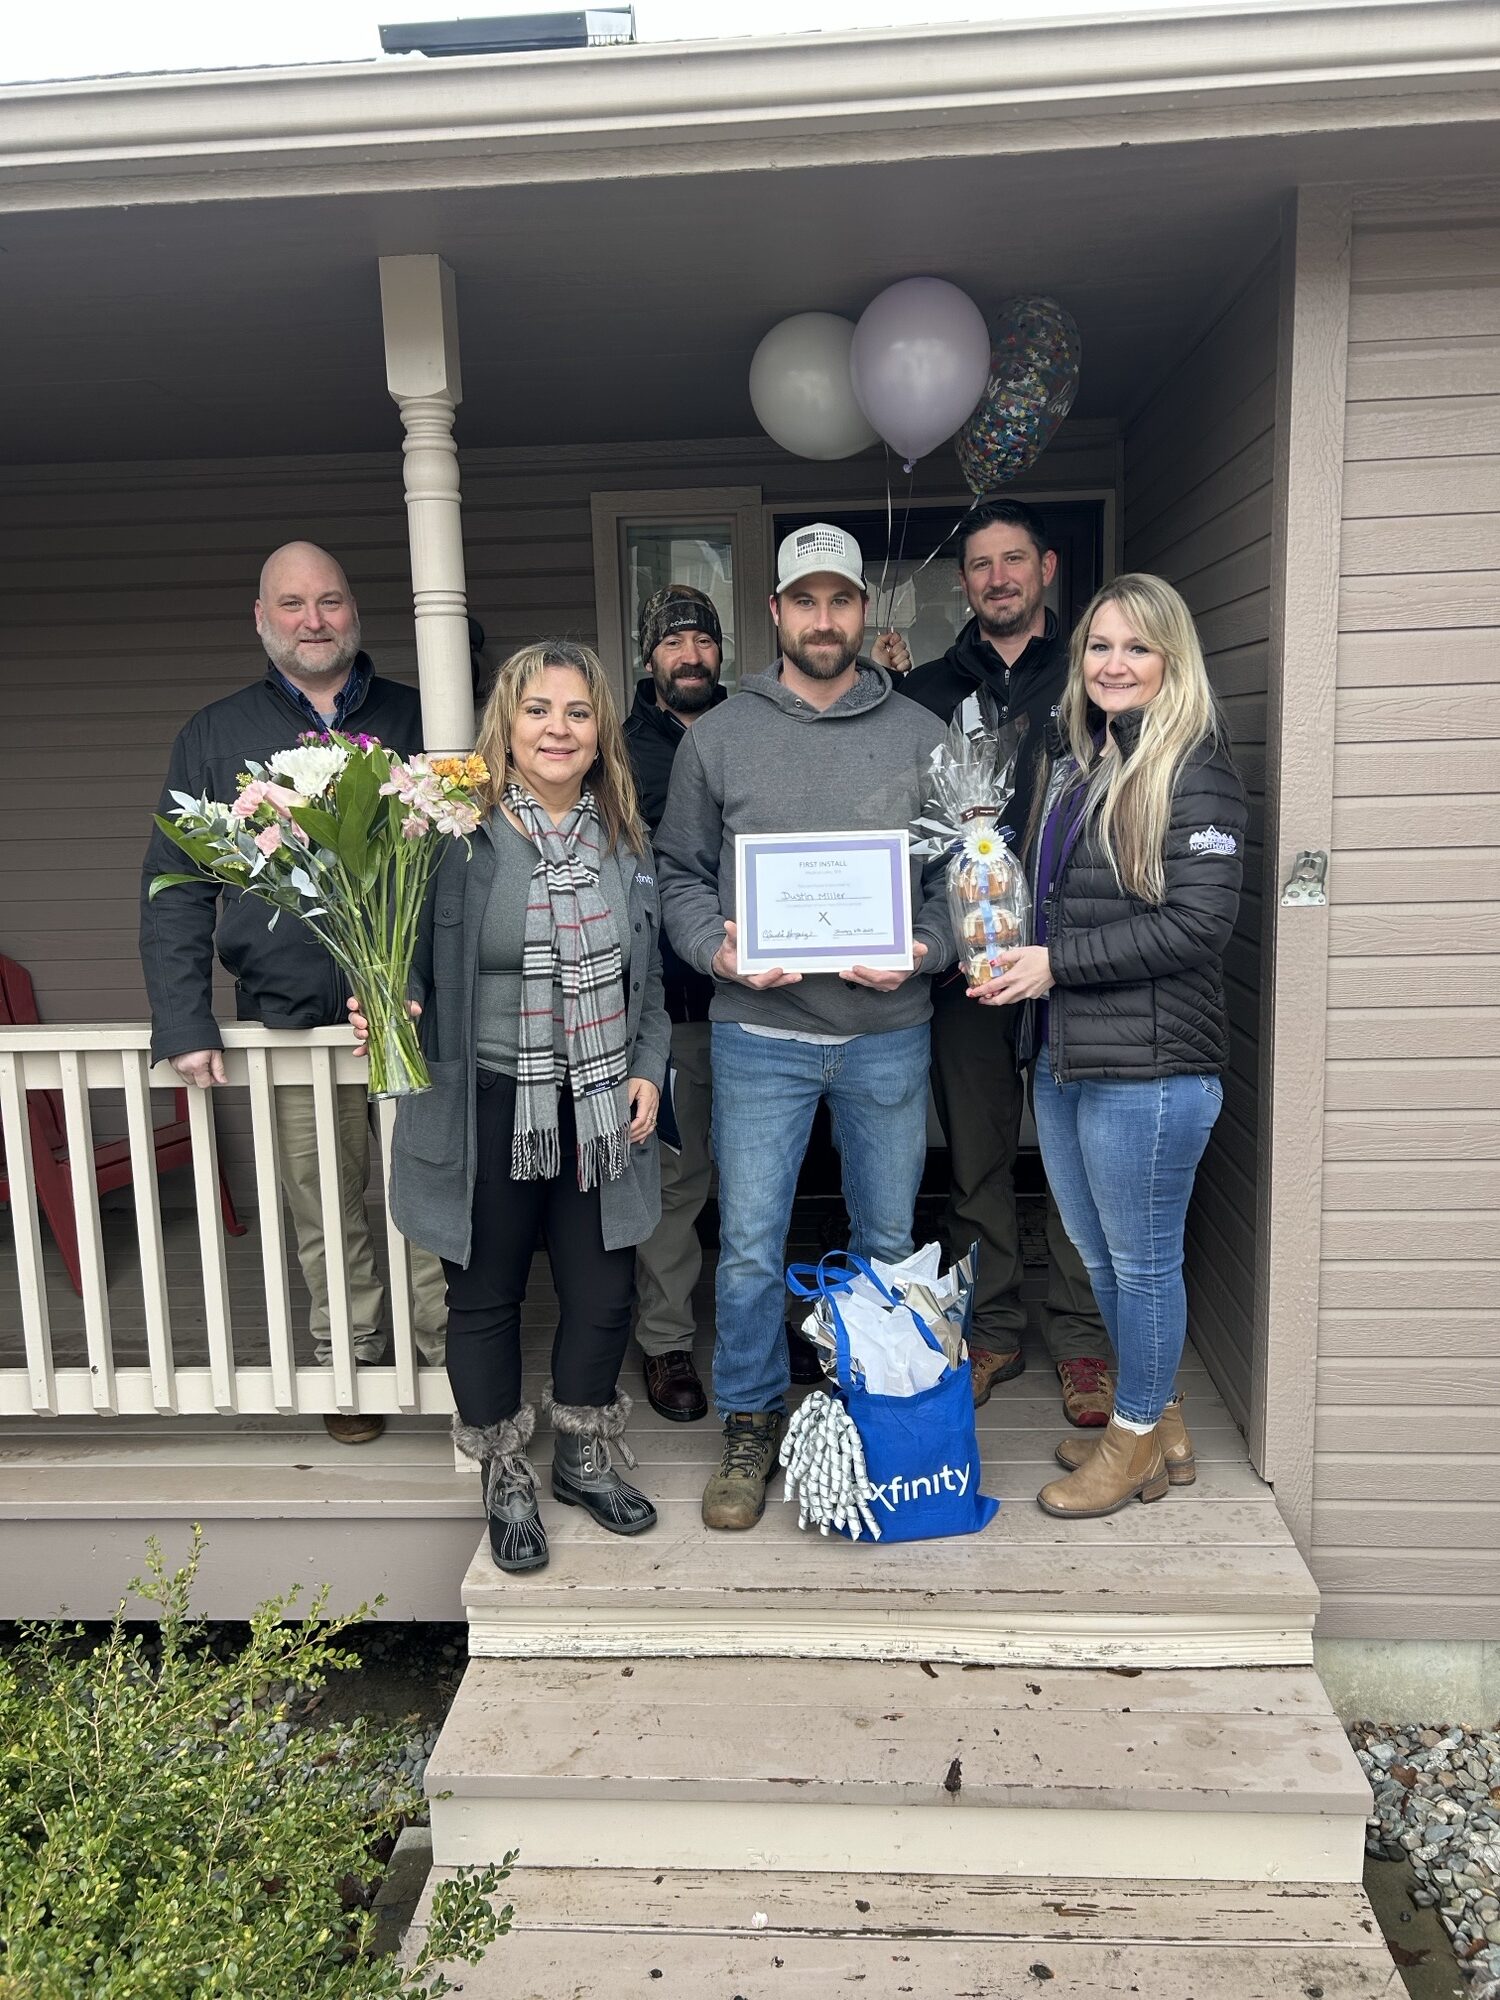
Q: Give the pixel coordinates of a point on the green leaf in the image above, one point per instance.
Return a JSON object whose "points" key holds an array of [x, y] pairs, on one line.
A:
{"points": [[358, 797], [319, 825], [160, 882]]}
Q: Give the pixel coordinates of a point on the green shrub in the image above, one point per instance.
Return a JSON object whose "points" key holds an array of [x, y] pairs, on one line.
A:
{"points": [[166, 1835]]}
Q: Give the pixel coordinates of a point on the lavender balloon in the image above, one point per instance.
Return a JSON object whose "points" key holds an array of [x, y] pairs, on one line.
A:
{"points": [[920, 360]]}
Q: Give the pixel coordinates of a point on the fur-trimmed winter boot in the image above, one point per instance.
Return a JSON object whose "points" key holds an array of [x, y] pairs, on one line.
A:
{"points": [[583, 1474], [518, 1541]]}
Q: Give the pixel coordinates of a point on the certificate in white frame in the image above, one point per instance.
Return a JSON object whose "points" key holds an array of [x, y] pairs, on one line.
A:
{"points": [[823, 902]]}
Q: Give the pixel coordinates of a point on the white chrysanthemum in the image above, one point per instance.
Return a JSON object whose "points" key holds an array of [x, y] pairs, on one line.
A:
{"points": [[310, 769]]}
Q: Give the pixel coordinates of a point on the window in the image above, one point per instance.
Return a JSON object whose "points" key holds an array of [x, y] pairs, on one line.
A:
{"points": [[699, 553], [711, 538]]}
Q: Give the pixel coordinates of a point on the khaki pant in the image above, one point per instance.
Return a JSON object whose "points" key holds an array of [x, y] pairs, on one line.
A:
{"points": [[668, 1265], [297, 1144], [980, 1095]]}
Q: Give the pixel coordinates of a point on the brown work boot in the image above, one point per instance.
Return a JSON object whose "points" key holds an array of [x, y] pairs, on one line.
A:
{"points": [[1171, 1435], [354, 1430], [1122, 1466], [672, 1387], [736, 1495], [1088, 1391], [987, 1366]]}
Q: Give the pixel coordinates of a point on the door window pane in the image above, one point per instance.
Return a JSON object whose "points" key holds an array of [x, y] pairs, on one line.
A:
{"points": [[698, 553]]}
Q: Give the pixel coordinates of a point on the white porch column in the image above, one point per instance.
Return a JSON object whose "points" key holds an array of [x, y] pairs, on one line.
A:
{"points": [[419, 312]]}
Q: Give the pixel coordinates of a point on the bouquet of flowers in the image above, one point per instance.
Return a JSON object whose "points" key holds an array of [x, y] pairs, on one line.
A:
{"points": [[344, 834], [970, 785]]}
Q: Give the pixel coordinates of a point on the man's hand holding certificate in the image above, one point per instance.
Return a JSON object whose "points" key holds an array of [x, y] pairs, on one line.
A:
{"points": [[821, 902]]}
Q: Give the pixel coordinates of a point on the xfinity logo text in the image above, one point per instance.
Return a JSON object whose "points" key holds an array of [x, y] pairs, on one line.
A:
{"points": [[924, 1487]]}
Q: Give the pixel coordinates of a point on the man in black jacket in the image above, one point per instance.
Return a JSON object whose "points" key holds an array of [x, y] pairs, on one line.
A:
{"points": [[682, 649], [1009, 664], [316, 678]]}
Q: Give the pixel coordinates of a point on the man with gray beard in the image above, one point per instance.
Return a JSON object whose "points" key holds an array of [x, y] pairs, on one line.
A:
{"points": [[316, 678]]}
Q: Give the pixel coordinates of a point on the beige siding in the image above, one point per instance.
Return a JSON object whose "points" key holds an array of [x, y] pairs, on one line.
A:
{"points": [[1198, 467], [1406, 1515]]}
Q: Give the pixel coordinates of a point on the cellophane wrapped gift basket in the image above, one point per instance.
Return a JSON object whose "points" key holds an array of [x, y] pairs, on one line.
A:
{"points": [[970, 784]]}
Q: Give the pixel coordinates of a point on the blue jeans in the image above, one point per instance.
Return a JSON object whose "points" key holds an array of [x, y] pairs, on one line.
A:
{"points": [[765, 1093], [1120, 1159]]}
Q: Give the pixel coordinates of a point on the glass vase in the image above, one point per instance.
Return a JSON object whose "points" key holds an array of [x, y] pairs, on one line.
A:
{"points": [[397, 1065]]}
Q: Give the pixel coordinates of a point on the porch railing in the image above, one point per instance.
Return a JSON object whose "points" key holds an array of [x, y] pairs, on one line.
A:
{"points": [[79, 1063]]}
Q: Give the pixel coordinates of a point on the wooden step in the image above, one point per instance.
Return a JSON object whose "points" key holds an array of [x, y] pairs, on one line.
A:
{"points": [[640, 1933], [1208, 1576], [805, 1765], [1183, 1582]]}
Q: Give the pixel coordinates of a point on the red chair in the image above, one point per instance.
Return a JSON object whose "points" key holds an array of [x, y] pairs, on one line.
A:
{"points": [[49, 1139]]}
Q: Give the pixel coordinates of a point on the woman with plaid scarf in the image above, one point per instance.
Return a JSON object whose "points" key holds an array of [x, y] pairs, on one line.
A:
{"points": [[539, 977]]}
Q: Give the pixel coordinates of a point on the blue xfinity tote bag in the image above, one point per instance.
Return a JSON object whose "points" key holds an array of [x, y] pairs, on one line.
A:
{"points": [[921, 1451]]}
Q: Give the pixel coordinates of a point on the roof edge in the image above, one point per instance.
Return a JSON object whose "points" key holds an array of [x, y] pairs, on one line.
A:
{"points": [[228, 134]]}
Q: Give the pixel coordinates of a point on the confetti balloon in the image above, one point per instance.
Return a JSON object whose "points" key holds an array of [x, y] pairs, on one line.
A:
{"points": [[1035, 353]]}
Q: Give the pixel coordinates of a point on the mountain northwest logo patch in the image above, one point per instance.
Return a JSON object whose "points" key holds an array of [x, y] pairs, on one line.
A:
{"points": [[1209, 840]]}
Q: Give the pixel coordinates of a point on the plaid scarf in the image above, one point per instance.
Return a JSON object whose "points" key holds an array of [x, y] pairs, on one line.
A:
{"points": [[571, 941]]}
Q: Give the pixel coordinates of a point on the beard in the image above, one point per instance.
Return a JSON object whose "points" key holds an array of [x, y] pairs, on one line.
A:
{"points": [[822, 665], [679, 691], [284, 655], [1007, 617]]}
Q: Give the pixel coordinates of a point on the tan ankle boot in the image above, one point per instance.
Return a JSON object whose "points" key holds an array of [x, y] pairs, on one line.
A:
{"points": [[1171, 1435], [1122, 1466]]}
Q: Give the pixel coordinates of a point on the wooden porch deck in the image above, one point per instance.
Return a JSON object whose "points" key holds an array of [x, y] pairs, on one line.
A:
{"points": [[1206, 1576]]}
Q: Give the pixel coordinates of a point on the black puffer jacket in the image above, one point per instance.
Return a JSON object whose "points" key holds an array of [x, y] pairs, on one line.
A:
{"points": [[1140, 987], [1026, 693]]}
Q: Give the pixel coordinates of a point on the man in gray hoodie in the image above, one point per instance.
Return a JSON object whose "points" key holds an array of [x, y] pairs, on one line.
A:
{"points": [[817, 744]]}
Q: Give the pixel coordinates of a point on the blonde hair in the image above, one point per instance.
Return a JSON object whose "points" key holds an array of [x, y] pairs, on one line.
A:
{"points": [[1130, 798], [609, 777]]}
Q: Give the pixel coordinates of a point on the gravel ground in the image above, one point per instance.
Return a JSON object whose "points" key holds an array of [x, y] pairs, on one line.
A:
{"points": [[406, 1680], [1437, 1807]]}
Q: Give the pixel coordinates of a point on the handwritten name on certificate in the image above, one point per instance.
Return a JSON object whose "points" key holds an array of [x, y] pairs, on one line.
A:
{"points": [[823, 902]]}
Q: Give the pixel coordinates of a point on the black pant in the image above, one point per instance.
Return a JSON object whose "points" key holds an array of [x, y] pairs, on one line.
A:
{"points": [[979, 1094], [595, 1286]]}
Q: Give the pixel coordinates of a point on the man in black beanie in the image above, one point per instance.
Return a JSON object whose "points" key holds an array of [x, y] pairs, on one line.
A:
{"points": [[682, 650]]}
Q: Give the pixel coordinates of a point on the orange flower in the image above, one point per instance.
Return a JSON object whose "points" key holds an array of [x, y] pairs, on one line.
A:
{"points": [[467, 771]]}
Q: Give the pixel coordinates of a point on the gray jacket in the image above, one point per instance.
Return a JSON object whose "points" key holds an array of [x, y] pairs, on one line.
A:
{"points": [[768, 763], [434, 1154]]}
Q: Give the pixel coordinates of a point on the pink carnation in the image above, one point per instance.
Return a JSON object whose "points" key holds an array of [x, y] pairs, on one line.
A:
{"points": [[268, 839], [250, 800], [283, 798]]}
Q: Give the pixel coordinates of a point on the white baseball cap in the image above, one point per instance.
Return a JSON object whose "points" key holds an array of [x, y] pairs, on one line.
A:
{"points": [[816, 551]]}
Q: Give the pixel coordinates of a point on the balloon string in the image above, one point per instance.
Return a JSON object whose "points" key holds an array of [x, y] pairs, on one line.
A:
{"points": [[944, 542], [885, 566], [901, 551]]}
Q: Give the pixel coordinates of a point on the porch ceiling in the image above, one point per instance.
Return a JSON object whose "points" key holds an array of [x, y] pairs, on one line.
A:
{"points": [[610, 310]]}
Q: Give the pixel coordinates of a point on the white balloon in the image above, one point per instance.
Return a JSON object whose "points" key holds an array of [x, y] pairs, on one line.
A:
{"points": [[800, 387], [920, 359]]}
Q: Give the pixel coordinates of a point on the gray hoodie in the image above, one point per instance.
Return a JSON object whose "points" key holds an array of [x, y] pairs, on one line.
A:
{"points": [[766, 762]]}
